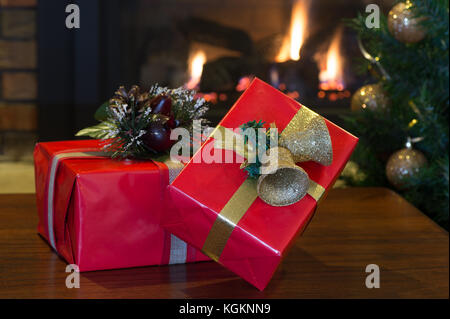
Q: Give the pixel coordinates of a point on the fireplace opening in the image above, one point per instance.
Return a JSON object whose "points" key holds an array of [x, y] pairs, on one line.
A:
{"points": [[300, 47], [52, 78]]}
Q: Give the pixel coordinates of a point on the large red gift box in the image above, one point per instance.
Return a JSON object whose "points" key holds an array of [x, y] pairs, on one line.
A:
{"points": [[253, 244], [100, 213]]}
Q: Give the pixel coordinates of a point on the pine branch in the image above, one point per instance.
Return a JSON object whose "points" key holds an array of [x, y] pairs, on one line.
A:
{"points": [[419, 94]]}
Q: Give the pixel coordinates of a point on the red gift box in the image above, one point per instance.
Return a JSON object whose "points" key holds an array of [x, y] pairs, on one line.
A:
{"points": [[252, 245], [100, 213]]}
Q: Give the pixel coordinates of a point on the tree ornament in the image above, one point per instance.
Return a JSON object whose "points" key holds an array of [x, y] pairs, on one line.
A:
{"points": [[369, 96], [405, 164], [403, 25]]}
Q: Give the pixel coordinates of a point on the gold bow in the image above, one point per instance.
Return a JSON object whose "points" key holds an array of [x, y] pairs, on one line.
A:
{"points": [[306, 138]]}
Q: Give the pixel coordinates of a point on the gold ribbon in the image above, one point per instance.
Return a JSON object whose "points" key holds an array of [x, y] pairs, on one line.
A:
{"points": [[305, 138]]}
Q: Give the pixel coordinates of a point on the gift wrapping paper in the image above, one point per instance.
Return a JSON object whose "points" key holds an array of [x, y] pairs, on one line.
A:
{"points": [[214, 206], [100, 213]]}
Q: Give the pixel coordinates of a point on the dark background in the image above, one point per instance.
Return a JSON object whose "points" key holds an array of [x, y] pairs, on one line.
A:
{"points": [[78, 69]]}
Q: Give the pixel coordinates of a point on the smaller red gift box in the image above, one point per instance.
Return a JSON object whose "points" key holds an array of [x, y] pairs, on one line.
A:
{"points": [[100, 213], [251, 243]]}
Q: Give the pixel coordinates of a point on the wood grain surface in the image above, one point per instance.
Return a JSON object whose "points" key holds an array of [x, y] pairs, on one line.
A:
{"points": [[352, 228]]}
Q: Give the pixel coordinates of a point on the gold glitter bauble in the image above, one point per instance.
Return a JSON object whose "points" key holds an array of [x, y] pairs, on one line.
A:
{"points": [[404, 164], [283, 183], [403, 25], [369, 96]]}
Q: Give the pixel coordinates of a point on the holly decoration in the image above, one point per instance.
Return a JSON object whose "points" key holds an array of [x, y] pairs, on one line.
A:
{"points": [[138, 124], [253, 169]]}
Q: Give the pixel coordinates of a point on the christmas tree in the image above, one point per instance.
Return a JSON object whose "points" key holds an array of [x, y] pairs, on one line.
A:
{"points": [[401, 116]]}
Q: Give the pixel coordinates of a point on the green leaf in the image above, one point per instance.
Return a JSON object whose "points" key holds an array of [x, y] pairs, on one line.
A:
{"points": [[101, 114], [103, 130]]}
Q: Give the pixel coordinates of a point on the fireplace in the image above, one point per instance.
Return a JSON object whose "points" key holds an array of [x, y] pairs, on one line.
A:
{"points": [[217, 46]]}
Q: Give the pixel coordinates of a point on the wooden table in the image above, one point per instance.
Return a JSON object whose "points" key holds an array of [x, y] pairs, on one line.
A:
{"points": [[352, 228]]}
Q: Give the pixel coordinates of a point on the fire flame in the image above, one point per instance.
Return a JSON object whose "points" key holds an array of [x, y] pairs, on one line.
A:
{"points": [[331, 65], [292, 43], [196, 61]]}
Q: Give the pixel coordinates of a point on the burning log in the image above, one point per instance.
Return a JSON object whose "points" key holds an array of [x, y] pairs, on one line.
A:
{"points": [[213, 33], [332, 64], [224, 73], [296, 76]]}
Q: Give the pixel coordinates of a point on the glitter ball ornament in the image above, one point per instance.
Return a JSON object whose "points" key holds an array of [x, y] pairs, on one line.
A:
{"points": [[369, 96], [403, 25], [403, 165]]}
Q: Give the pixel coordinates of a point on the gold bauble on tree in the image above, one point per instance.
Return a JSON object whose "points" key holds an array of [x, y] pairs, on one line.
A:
{"points": [[403, 25], [404, 165], [369, 96]]}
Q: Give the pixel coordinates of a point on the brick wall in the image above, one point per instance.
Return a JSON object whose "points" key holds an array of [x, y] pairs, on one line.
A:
{"points": [[18, 81]]}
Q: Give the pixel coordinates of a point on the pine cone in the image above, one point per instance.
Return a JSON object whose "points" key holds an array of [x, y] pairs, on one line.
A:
{"points": [[131, 99]]}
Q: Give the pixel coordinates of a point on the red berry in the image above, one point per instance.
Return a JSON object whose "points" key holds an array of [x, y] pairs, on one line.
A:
{"points": [[172, 122], [158, 137], [161, 104]]}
